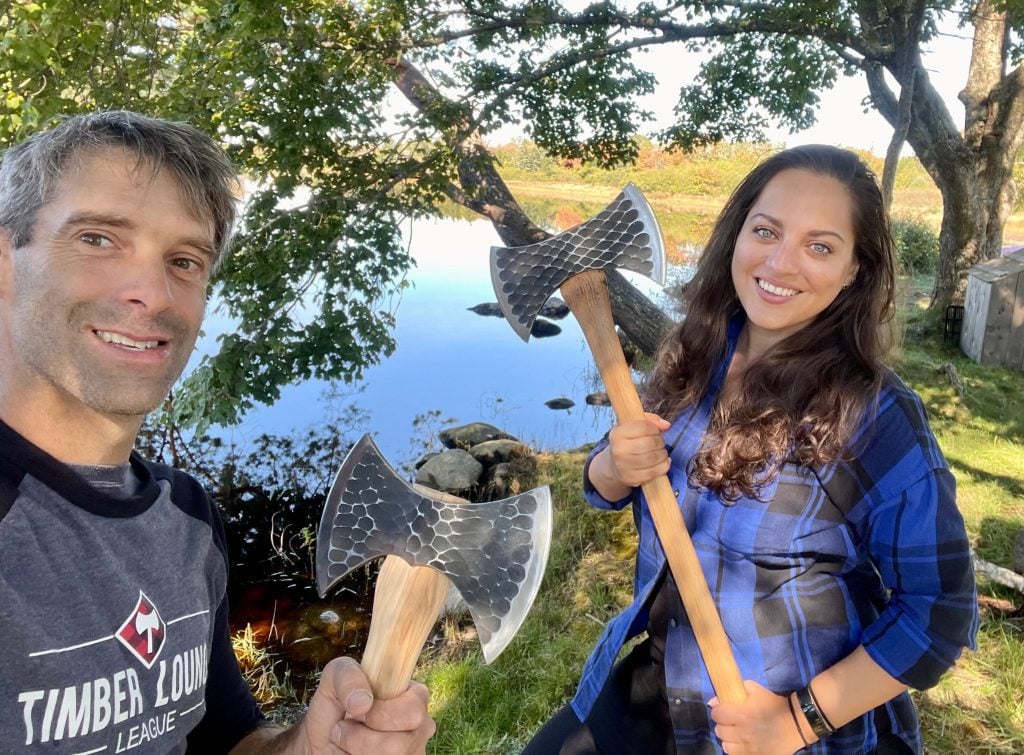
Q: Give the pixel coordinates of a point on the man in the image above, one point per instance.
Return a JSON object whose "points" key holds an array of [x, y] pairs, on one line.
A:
{"points": [[113, 626]]}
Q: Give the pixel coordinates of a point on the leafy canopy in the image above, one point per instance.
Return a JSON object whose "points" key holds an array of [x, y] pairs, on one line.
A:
{"points": [[301, 94]]}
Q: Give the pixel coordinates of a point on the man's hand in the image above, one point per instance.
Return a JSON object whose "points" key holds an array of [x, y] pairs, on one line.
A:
{"points": [[344, 719]]}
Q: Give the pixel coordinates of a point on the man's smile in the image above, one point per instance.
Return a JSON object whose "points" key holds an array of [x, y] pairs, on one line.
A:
{"points": [[131, 343]]}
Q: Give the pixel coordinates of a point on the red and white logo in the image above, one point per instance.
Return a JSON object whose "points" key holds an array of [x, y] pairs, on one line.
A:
{"points": [[143, 632]]}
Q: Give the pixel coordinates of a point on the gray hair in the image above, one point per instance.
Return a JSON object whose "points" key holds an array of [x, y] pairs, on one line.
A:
{"points": [[31, 171]]}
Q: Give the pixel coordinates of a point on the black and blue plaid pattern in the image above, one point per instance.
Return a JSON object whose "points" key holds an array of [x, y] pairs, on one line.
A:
{"points": [[868, 552]]}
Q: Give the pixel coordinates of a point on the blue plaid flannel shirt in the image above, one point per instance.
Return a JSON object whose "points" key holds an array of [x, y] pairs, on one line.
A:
{"points": [[868, 552]]}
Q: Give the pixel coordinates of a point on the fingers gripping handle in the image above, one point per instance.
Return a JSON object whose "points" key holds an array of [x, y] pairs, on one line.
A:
{"points": [[586, 294], [406, 603]]}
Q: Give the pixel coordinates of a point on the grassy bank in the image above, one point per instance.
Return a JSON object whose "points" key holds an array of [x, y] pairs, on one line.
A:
{"points": [[977, 708]]}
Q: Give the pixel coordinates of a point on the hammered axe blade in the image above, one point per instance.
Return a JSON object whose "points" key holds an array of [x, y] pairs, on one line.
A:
{"points": [[494, 552], [625, 234]]}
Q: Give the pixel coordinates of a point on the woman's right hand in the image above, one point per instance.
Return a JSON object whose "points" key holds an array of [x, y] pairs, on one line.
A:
{"points": [[635, 454]]}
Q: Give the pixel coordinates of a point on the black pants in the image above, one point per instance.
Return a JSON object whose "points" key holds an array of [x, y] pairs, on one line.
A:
{"points": [[631, 717]]}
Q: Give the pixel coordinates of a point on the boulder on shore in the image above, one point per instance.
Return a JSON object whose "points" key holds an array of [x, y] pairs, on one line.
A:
{"points": [[454, 471], [467, 436]]}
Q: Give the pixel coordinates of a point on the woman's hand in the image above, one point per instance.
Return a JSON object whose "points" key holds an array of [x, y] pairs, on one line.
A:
{"points": [[763, 725], [635, 454], [637, 450]]}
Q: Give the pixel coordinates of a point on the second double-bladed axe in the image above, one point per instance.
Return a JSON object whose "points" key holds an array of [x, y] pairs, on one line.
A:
{"points": [[493, 552], [623, 235]]}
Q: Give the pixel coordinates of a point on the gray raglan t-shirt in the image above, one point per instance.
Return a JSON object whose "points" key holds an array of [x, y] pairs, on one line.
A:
{"points": [[113, 617]]}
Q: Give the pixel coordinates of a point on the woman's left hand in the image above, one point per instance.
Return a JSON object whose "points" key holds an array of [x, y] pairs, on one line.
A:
{"points": [[763, 725]]}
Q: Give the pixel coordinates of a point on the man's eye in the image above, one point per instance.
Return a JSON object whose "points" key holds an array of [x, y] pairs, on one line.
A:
{"points": [[187, 264], [95, 239]]}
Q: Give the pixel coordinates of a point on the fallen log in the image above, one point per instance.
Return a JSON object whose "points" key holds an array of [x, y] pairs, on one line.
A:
{"points": [[998, 574]]}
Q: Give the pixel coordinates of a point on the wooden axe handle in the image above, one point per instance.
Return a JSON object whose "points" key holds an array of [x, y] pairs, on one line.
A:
{"points": [[406, 603], [586, 294]]}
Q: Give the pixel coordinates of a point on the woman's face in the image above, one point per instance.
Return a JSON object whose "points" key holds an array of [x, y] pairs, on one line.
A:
{"points": [[794, 253]]}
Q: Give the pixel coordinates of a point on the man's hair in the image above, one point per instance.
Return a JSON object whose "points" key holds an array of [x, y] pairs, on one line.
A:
{"points": [[32, 171]]}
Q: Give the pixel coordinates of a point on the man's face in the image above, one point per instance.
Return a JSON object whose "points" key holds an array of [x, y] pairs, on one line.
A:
{"points": [[101, 309]]}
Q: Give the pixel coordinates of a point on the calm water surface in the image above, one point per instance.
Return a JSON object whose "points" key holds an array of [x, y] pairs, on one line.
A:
{"points": [[451, 363]]}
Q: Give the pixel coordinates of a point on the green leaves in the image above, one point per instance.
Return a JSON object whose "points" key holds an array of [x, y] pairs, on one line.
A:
{"points": [[301, 93]]}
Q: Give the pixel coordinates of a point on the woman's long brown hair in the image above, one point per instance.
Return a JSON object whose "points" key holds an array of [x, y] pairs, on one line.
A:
{"points": [[805, 396]]}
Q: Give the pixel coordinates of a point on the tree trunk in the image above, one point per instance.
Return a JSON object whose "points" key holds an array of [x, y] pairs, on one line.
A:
{"points": [[973, 169], [482, 190]]}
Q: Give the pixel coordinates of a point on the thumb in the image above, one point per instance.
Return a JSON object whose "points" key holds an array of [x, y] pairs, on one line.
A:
{"points": [[660, 423], [344, 680]]}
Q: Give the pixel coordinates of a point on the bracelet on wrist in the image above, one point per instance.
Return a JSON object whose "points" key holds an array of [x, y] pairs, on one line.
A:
{"points": [[796, 721], [820, 725]]}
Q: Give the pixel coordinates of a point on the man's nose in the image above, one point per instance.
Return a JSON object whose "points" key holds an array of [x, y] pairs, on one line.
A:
{"points": [[148, 284]]}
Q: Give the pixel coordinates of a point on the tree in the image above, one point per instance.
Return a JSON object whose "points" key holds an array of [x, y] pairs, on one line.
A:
{"points": [[298, 91]]}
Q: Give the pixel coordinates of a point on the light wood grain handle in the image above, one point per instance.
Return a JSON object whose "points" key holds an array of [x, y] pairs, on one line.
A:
{"points": [[406, 603], [586, 294]]}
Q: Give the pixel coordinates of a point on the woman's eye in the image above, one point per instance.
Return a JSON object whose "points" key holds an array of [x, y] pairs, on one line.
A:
{"points": [[818, 248], [764, 233]]}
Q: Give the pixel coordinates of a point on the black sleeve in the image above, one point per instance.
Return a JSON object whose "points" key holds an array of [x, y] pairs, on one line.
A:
{"points": [[231, 710]]}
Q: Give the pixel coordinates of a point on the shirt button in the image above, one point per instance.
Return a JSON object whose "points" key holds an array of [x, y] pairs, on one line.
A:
{"points": [[673, 623], [677, 701], [675, 493]]}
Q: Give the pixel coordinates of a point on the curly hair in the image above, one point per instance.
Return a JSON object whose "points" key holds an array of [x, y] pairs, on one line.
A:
{"points": [[779, 413]]}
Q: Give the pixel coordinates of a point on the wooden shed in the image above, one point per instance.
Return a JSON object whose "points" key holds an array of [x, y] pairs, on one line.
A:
{"points": [[993, 325]]}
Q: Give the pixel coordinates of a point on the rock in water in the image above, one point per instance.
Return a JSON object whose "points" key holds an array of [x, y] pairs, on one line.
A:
{"points": [[544, 329], [554, 308], [560, 403], [487, 309]]}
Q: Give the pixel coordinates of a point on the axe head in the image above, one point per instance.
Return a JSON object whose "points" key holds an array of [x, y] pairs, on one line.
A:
{"points": [[624, 235], [494, 553]]}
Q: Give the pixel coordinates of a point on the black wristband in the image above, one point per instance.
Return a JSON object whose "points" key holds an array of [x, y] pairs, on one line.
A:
{"points": [[819, 724], [796, 722]]}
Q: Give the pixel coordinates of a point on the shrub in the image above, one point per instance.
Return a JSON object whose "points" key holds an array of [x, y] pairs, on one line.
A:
{"points": [[917, 245]]}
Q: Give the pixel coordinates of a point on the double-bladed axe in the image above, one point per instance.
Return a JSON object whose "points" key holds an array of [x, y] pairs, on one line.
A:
{"points": [[493, 552], [625, 235]]}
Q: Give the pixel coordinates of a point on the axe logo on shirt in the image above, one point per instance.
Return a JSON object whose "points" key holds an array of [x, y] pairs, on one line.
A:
{"points": [[143, 631], [115, 705]]}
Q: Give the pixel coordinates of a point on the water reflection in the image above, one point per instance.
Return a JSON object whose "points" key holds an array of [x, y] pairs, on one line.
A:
{"points": [[452, 364]]}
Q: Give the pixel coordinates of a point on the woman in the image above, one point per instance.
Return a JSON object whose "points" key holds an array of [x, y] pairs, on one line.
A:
{"points": [[819, 504]]}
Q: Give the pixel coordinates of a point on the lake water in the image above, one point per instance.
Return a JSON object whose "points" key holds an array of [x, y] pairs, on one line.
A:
{"points": [[452, 363]]}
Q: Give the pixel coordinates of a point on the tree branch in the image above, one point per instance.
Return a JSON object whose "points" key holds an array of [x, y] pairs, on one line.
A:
{"points": [[483, 191]]}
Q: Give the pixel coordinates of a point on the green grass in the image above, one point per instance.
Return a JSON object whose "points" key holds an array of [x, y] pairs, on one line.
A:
{"points": [[977, 707]]}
